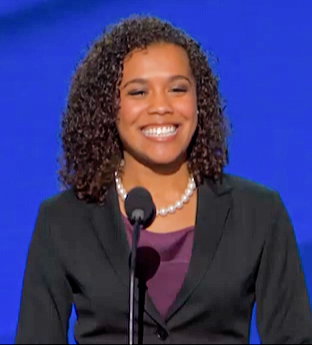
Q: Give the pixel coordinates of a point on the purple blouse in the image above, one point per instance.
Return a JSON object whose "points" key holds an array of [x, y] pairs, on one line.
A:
{"points": [[175, 250]]}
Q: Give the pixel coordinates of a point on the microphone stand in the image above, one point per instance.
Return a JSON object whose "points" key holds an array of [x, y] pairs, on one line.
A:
{"points": [[142, 291], [141, 212], [135, 240]]}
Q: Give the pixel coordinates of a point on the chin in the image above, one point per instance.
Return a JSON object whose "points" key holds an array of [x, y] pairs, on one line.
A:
{"points": [[165, 160], [161, 158]]}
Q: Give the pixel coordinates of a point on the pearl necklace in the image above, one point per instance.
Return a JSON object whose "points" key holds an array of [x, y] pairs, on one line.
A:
{"points": [[164, 210]]}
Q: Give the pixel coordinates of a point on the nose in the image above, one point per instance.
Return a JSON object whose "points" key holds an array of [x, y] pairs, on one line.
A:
{"points": [[160, 104]]}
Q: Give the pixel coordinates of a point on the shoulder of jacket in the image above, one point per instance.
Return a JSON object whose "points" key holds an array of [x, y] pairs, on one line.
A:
{"points": [[251, 190], [64, 203]]}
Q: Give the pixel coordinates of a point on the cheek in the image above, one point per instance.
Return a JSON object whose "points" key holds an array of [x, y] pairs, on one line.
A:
{"points": [[193, 112], [129, 112], [194, 123], [123, 125], [188, 110], [127, 122]]}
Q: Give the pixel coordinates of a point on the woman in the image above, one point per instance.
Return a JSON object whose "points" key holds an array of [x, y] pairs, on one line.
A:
{"points": [[144, 110]]}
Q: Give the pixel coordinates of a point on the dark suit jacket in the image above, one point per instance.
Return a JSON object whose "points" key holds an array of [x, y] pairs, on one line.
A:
{"points": [[244, 251]]}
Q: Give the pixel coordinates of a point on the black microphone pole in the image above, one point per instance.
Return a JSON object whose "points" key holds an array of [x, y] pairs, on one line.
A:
{"points": [[141, 212], [147, 263], [142, 290], [135, 240]]}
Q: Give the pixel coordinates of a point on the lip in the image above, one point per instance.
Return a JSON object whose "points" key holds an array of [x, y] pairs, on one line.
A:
{"points": [[160, 125], [164, 139]]}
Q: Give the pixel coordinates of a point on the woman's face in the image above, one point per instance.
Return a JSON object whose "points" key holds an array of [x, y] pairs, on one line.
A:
{"points": [[158, 108]]}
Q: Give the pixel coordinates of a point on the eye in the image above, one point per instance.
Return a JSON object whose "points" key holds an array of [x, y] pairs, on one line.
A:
{"points": [[137, 93], [179, 89]]}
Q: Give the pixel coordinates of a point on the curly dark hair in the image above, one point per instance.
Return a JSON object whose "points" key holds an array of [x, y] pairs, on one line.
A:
{"points": [[92, 150]]}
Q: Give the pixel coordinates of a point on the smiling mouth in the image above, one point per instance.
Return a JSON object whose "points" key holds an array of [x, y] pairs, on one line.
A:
{"points": [[160, 131]]}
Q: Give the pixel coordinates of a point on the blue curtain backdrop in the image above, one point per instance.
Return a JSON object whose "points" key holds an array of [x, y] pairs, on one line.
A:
{"points": [[261, 51]]}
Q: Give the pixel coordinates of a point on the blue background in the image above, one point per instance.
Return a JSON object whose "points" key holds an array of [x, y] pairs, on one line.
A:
{"points": [[261, 51]]}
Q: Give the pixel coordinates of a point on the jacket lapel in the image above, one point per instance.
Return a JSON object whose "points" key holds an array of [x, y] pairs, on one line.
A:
{"points": [[109, 227], [214, 203]]}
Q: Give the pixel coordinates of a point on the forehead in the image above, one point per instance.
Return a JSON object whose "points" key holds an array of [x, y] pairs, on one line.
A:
{"points": [[157, 58]]}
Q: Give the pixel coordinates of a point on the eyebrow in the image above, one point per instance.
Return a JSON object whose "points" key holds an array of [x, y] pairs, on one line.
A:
{"points": [[144, 81]]}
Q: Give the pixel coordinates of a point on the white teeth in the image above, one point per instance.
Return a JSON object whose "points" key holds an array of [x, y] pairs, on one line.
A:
{"points": [[160, 131]]}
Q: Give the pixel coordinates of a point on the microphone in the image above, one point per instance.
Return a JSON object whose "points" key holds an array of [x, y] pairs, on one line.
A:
{"points": [[140, 207], [141, 213]]}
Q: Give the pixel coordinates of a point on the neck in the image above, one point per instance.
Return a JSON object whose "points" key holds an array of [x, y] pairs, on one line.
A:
{"points": [[165, 183]]}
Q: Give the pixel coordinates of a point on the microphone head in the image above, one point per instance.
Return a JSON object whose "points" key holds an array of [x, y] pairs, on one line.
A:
{"points": [[139, 206]]}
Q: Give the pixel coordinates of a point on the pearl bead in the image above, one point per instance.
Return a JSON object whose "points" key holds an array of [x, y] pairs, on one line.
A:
{"points": [[185, 198], [163, 212], [179, 204], [189, 192], [171, 209]]}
